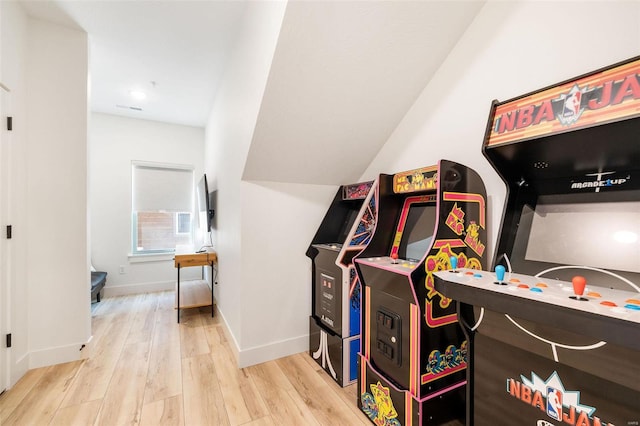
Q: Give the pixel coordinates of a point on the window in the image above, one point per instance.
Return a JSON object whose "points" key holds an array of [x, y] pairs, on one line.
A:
{"points": [[161, 207], [183, 223]]}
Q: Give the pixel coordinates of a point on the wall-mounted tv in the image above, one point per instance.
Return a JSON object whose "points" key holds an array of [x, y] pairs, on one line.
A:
{"points": [[205, 212]]}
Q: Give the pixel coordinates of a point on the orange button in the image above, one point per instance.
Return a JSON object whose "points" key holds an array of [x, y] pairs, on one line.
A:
{"points": [[594, 294], [514, 280], [468, 273], [633, 301], [542, 285]]}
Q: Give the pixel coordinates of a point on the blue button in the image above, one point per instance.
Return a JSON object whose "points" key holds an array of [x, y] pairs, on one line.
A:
{"points": [[477, 275], [536, 289], [631, 306]]}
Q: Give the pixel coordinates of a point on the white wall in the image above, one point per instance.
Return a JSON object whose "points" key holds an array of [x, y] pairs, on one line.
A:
{"points": [[46, 197], [56, 185], [279, 221], [229, 132], [114, 143], [510, 49], [263, 229], [13, 49]]}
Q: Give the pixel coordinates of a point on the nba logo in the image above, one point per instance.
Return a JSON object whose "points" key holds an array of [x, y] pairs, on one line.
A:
{"points": [[572, 104], [554, 403]]}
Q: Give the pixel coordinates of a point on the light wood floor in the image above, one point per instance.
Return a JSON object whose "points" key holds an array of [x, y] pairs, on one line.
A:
{"points": [[147, 369]]}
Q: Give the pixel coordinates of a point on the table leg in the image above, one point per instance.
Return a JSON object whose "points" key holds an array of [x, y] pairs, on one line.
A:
{"points": [[178, 294], [212, 305]]}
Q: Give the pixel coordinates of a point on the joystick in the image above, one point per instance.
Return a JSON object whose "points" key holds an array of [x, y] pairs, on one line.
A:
{"points": [[394, 258], [454, 263], [579, 284], [500, 275]]}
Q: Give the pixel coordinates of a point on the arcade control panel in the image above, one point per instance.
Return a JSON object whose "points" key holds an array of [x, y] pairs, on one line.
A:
{"points": [[331, 246], [393, 264], [608, 314]]}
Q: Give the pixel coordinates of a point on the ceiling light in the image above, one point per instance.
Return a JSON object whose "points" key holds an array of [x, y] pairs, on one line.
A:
{"points": [[138, 95]]}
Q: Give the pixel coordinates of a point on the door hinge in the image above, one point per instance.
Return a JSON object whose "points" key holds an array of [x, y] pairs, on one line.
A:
{"points": [[9, 123], [9, 340], [9, 232]]}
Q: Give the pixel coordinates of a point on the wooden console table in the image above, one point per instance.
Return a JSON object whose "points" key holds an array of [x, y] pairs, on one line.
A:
{"points": [[196, 293]]}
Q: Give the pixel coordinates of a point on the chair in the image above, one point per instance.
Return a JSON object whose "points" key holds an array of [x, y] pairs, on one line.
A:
{"points": [[98, 280]]}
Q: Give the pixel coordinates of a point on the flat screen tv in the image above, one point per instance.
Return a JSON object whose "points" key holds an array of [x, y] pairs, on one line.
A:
{"points": [[418, 231], [205, 212]]}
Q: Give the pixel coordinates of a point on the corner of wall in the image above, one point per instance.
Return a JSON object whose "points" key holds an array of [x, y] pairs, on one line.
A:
{"points": [[274, 350]]}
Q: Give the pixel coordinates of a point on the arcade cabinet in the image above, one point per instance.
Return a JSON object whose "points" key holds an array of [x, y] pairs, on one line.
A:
{"points": [[334, 337], [544, 349], [413, 356]]}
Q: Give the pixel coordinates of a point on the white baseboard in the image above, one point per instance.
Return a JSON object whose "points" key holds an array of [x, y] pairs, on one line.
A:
{"points": [[87, 351], [271, 351], [233, 343], [125, 290], [57, 355], [19, 369]]}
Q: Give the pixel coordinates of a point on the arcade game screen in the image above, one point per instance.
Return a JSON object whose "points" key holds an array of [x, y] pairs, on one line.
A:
{"points": [[580, 234], [418, 231]]}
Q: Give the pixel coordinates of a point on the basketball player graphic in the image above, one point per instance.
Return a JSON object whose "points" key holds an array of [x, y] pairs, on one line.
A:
{"points": [[554, 403], [572, 104]]}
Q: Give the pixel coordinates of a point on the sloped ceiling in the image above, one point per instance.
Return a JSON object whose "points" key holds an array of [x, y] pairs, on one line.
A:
{"points": [[343, 76]]}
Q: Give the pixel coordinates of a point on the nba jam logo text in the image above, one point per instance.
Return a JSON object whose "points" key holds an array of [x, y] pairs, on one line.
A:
{"points": [[551, 398], [568, 107]]}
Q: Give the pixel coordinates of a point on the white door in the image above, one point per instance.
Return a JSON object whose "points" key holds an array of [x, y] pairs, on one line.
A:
{"points": [[4, 257]]}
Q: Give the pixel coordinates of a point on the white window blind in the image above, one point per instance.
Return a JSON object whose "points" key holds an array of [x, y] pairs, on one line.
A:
{"points": [[157, 188]]}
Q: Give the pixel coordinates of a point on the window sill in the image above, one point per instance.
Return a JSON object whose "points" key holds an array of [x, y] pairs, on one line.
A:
{"points": [[153, 257]]}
